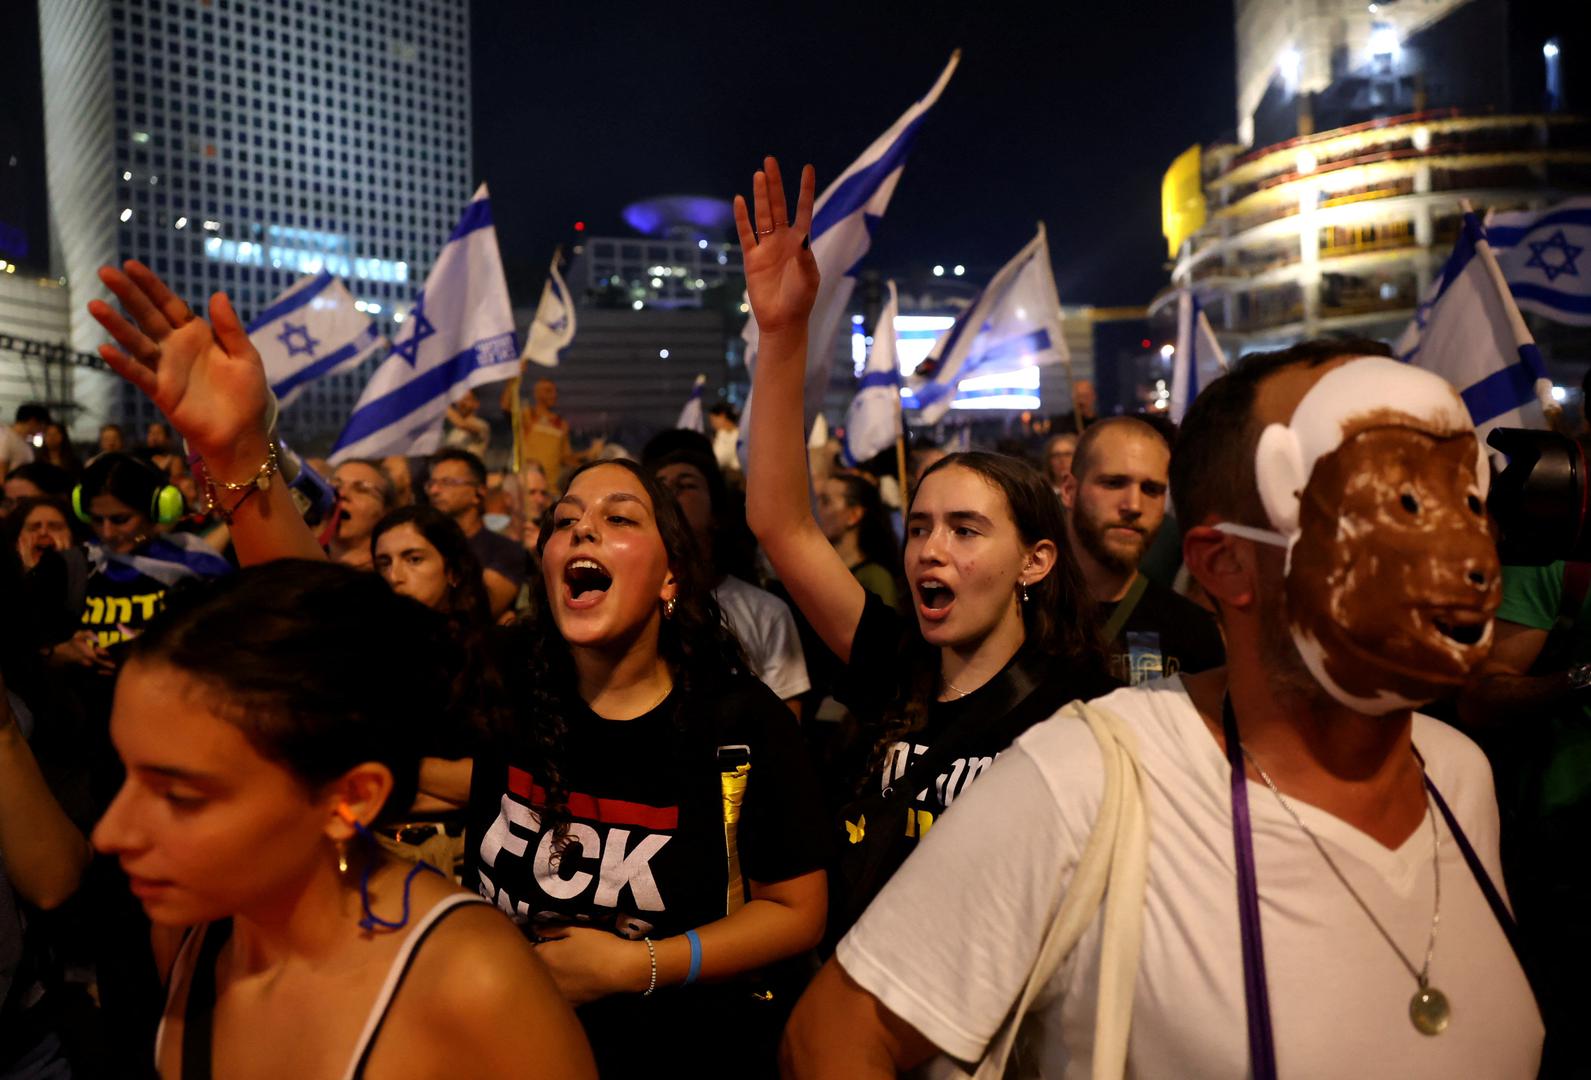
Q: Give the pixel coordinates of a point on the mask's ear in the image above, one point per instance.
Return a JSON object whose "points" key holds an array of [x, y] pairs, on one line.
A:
{"points": [[1279, 476]]}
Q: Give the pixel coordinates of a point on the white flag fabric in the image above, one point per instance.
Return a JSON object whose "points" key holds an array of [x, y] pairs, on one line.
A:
{"points": [[1546, 257], [310, 331], [460, 335], [690, 417], [554, 324], [843, 220], [872, 423], [1015, 322], [1198, 360], [1469, 330]]}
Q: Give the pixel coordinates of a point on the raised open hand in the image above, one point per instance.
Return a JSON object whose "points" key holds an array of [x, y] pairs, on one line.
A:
{"points": [[204, 376], [781, 272]]}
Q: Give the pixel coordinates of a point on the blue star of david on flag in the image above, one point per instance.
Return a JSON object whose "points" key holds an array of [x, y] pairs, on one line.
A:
{"points": [[409, 346], [1564, 265], [295, 338]]}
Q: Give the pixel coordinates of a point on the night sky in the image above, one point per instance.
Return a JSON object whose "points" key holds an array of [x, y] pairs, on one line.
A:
{"points": [[1064, 112]]}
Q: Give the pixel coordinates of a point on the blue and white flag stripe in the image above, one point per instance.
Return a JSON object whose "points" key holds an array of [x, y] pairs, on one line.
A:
{"points": [[1198, 359], [553, 326], [873, 420], [459, 335], [1013, 323], [843, 220], [690, 417], [1546, 257], [1468, 330], [312, 330]]}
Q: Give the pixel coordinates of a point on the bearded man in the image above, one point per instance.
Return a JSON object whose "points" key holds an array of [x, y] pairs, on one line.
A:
{"points": [[1307, 829], [1115, 499]]}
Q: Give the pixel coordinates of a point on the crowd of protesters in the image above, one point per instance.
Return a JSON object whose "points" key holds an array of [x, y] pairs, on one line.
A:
{"points": [[601, 766]]}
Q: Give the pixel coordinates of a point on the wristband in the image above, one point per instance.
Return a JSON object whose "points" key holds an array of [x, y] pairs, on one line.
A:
{"points": [[651, 953], [696, 957]]}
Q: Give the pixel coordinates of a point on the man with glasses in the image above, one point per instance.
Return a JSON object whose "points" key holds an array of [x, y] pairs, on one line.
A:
{"points": [[457, 487], [364, 495]]}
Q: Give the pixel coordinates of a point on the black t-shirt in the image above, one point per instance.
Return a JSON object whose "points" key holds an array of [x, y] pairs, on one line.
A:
{"points": [[868, 684], [117, 606], [497, 552], [646, 853], [1166, 634]]}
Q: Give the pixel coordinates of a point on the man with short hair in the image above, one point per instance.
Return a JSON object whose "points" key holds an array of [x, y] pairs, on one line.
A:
{"points": [[1307, 831], [364, 495], [1115, 500], [16, 441], [457, 487], [465, 428]]}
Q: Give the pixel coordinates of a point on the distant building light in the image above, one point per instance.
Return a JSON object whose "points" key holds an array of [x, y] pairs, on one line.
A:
{"points": [[638, 305], [140, 136], [3, 264], [11, 268], [657, 283], [580, 226], [1559, 393], [1288, 64], [211, 225], [856, 320], [959, 270], [939, 271], [1306, 162], [745, 308], [1550, 51], [1167, 351], [1422, 139], [360, 305], [153, 180], [723, 259], [373, 308], [127, 213], [1374, 8], [1384, 40], [180, 223], [702, 244], [126, 175], [701, 284], [398, 316], [662, 354]]}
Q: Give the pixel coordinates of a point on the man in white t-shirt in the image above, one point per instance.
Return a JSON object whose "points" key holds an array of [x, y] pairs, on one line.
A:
{"points": [[1354, 865]]}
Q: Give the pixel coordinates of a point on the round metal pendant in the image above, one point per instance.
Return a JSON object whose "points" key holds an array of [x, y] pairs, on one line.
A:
{"points": [[1429, 1011]]}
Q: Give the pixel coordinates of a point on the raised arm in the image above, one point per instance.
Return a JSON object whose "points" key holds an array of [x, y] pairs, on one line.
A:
{"points": [[43, 852], [782, 283], [209, 382]]}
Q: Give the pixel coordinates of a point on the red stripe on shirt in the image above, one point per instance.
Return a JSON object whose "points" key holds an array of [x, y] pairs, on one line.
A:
{"points": [[592, 808]]}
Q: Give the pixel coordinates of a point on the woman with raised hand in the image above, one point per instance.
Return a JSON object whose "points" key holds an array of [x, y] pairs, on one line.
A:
{"points": [[1001, 634], [256, 768]]}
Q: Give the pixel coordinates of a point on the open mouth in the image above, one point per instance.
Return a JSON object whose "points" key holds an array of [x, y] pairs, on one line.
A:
{"points": [[586, 580], [1465, 628], [934, 599]]}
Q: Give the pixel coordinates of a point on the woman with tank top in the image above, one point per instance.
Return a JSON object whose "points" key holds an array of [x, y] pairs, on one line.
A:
{"points": [[267, 723]]}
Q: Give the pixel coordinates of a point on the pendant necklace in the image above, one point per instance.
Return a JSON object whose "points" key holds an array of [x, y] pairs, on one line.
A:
{"points": [[1429, 1010]]}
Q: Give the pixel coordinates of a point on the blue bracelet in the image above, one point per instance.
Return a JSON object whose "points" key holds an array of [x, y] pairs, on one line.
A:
{"points": [[696, 957]]}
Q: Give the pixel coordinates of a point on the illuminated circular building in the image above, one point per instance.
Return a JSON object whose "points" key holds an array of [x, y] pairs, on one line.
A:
{"points": [[1361, 129]]}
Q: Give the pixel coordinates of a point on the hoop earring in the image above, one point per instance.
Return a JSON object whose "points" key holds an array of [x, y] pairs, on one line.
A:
{"points": [[668, 608]]}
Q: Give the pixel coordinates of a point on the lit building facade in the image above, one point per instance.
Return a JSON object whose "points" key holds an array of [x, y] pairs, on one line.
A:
{"points": [[682, 252], [236, 145], [1362, 128]]}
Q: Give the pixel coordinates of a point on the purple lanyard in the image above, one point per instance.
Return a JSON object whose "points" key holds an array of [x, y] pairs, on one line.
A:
{"points": [[1261, 1039]]}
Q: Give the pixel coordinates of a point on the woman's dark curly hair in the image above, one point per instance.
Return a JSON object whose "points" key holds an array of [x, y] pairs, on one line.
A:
{"points": [[322, 667], [695, 643], [477, 688], [1059, 618]]}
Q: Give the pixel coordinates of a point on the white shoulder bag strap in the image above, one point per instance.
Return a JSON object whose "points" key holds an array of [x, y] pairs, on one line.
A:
{"points": [[1114, 867]]}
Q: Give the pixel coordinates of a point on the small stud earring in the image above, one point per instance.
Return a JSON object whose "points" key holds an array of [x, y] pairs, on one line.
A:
{"points": [[342, 859]]}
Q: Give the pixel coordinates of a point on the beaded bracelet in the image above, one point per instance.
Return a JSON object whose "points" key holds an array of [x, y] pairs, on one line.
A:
{"points": [[261, 481], [651, 953]]}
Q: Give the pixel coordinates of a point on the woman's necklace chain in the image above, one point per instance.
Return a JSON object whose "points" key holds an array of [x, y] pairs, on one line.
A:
{"points": [[958, 691], [1429, 1008]]}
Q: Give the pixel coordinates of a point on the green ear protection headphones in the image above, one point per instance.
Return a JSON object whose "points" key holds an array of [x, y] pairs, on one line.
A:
{"points": [[166, 507]]}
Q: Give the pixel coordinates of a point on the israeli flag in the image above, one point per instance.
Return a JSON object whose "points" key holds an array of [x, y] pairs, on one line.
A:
{"points": [[1469, 330], [554, 325], [1198, 359], [1546, 257], [843, 220], [459, 335], [1015, 322], [310, 331], [872, 423], [690, 417]]}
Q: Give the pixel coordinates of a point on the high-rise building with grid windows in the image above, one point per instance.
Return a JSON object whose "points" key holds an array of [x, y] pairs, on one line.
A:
{"points": [[238, 144]]}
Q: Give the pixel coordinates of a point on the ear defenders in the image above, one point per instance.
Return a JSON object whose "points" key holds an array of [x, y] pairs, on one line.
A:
{"points": [[166, 506]]}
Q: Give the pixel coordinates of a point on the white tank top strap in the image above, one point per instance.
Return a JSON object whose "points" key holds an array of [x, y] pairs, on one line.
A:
{"points": [[181, 970], [395, 975]]}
